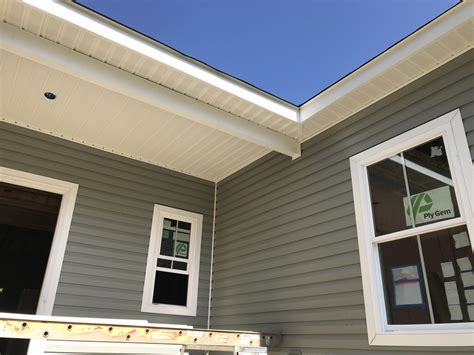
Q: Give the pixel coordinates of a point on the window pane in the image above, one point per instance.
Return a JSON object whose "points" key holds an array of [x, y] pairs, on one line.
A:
{"points": [[169, 223], [163, 263], [183, 237], [405, 298], [170, 288], [387, 193], [167, 247], [184, 226], [178, 265], [431, 187], [448, 261], [168, 234]]}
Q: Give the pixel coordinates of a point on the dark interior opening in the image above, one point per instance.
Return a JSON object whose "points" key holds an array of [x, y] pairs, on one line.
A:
{"points": [[27, 223]]}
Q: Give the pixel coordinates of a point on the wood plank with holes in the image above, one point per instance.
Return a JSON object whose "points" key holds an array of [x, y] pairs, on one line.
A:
{"points": [[77, 329]]}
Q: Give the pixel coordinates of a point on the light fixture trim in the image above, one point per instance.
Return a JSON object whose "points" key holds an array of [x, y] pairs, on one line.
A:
{"points": [[49, 95]]}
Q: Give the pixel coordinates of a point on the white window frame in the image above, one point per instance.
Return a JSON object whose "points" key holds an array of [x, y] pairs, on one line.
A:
{"points": [[159, 214], [451, 128]]}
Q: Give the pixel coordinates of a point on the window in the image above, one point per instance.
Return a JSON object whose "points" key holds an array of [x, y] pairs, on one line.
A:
{"points": [[414, 209], [172, 272]]}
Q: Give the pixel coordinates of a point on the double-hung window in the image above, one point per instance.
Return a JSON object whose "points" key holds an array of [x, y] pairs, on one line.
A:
{"points": [[172, 272], [414, 209]]}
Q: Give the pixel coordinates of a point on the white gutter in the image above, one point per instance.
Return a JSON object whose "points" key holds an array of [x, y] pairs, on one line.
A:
{"points": [[91, 70], [461, 13], [100, 28]]}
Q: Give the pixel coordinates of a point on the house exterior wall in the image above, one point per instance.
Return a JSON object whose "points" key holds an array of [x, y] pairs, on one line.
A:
{"points": [[104, 265], [286, 253]]}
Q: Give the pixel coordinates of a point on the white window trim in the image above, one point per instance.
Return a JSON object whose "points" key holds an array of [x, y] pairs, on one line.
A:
{"points": [[56, 256], [159, 213], [450, 126]]}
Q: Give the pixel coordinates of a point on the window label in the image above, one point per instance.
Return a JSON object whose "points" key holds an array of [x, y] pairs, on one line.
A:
{"points": [[429, 206], [181, 249]]}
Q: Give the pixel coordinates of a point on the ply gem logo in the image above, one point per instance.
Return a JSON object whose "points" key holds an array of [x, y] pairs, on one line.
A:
{"points": [[420, 203]]}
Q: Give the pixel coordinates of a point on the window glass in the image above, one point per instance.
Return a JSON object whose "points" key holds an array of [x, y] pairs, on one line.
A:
{"points": [[184, 226], [170, 288], [405, 298], [177, 265], [434, 284], [411, 189], [430, 185], [448, 261], [169, 224], [387, 192], [164, 263]]}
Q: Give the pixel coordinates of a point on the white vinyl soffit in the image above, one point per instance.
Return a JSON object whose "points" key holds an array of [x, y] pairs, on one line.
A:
{"points": [[121, 38]]}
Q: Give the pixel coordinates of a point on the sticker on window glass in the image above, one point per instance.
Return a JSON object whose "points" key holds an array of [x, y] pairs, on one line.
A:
{"points": [[464, 264], [181, 249], [461, 240], [448, 269], [429, 206], [469, 296], [451, 290], [467, 278], [407, 285], [455, 311]]}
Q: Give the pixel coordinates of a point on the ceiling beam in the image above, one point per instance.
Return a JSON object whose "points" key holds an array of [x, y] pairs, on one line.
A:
{"points": [[32, 47]]}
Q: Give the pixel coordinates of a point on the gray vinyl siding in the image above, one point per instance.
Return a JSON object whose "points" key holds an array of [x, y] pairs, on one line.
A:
{"points": [[286, 255], [104, 264]]}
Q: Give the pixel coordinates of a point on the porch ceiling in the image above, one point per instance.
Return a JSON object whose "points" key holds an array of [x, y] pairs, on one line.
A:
{"points": [[104, 119]]}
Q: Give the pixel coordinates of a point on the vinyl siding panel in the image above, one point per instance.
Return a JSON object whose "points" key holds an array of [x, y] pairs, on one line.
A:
{"points": [[286, 255], [104, 265]]}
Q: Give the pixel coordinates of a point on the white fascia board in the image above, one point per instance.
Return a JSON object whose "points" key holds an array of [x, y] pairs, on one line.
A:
{"points": [[66, 60], [461, 13], [79, 18]]}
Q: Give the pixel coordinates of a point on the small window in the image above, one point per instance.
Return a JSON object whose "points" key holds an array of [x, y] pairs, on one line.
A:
{"points": [[171, 280], [414, 211]]}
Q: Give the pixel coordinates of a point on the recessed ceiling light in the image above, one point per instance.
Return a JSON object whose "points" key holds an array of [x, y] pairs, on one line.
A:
{"points": [[49, 95]]}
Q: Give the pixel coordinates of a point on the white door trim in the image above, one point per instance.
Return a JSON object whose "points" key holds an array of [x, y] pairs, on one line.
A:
{"points": [[69, 192]]}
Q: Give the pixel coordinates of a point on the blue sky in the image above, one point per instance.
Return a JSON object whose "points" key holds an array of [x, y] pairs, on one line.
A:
{"points": [[290, 48]]}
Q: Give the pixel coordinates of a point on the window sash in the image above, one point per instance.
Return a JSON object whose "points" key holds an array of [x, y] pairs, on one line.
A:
{"points": [[412, 141]]}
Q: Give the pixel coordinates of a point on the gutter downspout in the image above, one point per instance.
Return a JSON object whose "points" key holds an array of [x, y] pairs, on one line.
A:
{"points": [[212, 257]]}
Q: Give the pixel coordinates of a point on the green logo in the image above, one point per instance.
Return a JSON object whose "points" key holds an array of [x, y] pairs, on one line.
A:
{"points": [[181, 249], [420, 203]]}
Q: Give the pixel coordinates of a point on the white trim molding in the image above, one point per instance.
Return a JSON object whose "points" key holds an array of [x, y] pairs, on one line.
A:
{"points": [[159, 214], [450, 127], [69, 192]]}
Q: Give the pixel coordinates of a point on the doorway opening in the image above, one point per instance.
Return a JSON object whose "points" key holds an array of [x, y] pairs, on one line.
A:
{"points": [[28, 220]]}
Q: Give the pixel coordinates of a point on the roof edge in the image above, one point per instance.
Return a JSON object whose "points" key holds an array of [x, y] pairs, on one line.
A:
{"points": [[131, 39], [453, 17]]}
